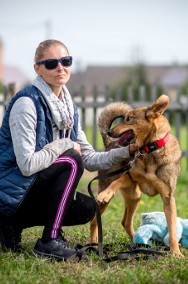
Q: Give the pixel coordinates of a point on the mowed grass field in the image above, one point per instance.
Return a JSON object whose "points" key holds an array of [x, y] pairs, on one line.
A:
{"points": [[26, 268]]}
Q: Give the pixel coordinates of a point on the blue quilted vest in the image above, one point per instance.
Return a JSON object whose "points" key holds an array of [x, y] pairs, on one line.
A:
{"points": [[13, 185]]}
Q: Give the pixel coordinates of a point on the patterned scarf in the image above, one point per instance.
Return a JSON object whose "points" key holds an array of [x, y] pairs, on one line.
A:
{"points": [[61, 109]]}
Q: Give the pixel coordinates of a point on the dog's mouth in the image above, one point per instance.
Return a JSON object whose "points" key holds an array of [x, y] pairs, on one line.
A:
{"points": [[127, 138]]}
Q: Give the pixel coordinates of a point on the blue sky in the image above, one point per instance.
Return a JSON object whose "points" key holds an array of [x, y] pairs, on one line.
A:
{"points": [[97, 32]]}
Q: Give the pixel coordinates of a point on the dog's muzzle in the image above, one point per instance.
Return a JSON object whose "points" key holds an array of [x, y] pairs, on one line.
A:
{"points": [[126, 138]]}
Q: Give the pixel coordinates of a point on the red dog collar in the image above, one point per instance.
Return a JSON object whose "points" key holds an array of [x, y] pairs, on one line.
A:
{"points": [[156, 144]]}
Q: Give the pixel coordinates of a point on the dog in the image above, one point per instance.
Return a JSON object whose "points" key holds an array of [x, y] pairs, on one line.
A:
{"points": [[156, 165]]}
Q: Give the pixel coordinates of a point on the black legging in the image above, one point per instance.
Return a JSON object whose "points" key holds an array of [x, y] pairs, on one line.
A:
{"points": [[53, 202]]}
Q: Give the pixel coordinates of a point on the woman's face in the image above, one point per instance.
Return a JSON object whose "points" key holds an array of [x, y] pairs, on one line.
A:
{"points": [[59, 76]]}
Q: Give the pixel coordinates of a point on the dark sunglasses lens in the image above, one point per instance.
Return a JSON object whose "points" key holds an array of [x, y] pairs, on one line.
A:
{"points": [[51, 64], [66, 61]]}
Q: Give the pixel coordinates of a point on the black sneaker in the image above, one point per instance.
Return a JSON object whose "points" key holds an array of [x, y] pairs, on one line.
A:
{"points": [[10, 237], [61, 236], [55, 249]]}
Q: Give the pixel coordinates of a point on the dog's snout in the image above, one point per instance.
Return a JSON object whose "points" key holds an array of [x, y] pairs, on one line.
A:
{"points": [[110, 133]]}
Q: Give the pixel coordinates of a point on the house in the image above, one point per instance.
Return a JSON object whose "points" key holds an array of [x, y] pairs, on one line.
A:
{"points": [[13, 74], [170, 78], [1, 61]]}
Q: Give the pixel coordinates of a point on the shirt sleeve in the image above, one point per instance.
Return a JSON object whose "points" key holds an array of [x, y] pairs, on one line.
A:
{"points": [[103, 160], [23, 123]]}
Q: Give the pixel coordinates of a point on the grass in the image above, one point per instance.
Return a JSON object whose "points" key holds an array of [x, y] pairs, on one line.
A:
{"points": [[26, 268]]}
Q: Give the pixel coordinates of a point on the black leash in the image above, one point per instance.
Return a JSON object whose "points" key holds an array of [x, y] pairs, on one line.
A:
{"points": [[98, 214], [138, 252], [133, 251]]}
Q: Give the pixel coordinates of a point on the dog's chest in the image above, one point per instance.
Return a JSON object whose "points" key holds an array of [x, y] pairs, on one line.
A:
{"points": [[145, 175]]}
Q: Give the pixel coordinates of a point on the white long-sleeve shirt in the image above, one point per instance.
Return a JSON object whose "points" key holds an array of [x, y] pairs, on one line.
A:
{"points": [[23, 121]]}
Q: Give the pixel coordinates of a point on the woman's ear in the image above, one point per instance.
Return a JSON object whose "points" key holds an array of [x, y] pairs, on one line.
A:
{"points": [[37, 69]]}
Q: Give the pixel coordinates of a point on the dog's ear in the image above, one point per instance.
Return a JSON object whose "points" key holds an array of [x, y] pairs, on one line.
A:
{"points": [[157, 108]]}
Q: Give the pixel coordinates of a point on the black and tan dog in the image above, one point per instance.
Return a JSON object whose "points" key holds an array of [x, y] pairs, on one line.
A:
{"points": [[155, 170]]}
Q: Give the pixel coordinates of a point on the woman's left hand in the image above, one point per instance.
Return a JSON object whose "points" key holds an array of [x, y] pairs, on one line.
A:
{"points": [[77, 147]]}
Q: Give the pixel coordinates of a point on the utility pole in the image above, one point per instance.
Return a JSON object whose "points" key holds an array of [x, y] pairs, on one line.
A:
{"points": [[48, 29]]}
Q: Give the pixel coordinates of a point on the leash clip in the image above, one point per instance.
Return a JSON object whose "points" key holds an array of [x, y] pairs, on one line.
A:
{"points": [[131, 163], [141, 154]]}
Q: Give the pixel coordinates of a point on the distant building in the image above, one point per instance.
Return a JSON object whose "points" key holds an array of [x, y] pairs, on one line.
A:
{"points": [[170, 78], [1, 61], [11, 74], [173, 79]]}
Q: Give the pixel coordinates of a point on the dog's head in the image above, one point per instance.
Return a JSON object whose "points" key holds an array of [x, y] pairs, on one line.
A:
{"points": [[143, 125]]}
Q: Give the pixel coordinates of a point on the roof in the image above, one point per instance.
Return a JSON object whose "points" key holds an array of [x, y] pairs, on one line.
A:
{"points": [[13, 74], [102, 76], [175, 77]]}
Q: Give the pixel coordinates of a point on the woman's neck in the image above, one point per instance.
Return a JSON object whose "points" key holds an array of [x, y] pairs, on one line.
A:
{"points": [[56, 90]]}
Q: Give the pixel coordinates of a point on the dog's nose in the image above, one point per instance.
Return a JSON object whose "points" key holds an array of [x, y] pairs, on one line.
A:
{"points": [[109, 133]]}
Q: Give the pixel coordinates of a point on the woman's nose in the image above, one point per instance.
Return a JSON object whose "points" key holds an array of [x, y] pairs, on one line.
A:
{"points": [[59, 66]]}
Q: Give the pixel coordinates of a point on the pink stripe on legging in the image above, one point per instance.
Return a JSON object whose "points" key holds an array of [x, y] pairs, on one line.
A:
{"points": [[68, 187]]}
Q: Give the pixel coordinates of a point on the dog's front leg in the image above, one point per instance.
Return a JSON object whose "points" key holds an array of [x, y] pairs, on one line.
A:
{"points": [[132, 196], [106, 195], [171, 218], [94, 231]]}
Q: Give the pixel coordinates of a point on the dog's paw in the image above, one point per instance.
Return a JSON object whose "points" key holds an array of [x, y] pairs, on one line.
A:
{"points": [[177, 254], [105, 196]]}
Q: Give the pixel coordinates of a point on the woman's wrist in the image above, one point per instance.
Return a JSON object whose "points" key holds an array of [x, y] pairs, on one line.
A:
{"points": [[132, 150]]}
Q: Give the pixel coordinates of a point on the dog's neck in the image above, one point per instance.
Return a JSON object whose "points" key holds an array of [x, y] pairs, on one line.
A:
{"points": [[156, 144]]}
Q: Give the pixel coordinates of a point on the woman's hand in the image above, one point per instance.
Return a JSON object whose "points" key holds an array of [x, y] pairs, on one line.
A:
{"points": [[133, 149], [77, 148]]}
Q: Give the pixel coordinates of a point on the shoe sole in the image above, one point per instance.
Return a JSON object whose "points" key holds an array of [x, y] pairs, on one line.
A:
{"points": [[52, 256]]}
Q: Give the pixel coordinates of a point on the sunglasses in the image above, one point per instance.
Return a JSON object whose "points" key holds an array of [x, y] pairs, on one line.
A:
{"points": [[51, 64]]}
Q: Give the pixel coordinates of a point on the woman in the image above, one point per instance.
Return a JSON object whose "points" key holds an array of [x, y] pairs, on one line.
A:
{"points": [[43, 152]]}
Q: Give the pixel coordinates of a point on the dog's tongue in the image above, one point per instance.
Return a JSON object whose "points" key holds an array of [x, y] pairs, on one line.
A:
{"points": [[126, 138]]}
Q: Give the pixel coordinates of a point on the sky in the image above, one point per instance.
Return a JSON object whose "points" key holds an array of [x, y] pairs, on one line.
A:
{"points": [[96, 32]]}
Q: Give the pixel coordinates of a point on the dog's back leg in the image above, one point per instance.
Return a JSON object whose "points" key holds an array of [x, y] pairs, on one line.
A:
{"points": [[131, 197]]}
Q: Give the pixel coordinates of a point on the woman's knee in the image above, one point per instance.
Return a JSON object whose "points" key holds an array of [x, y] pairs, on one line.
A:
{"points": [[91, 209], [77, 158], [81, 211], [88, 208]]}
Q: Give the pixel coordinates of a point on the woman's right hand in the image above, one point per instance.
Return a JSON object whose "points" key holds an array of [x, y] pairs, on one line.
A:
{"points": [[133, 149]]}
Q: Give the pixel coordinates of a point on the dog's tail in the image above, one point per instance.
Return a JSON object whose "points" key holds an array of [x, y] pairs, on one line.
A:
{"points": [[107, 116]]}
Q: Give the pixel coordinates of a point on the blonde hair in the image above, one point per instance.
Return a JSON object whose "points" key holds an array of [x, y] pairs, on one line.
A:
{"points": [[44, 45]]}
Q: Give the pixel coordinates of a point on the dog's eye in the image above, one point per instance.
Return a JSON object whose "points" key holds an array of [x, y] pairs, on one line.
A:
{"points": [[128, 118]]}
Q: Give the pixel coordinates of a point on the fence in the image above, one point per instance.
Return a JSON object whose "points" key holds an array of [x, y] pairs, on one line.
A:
{"points": [[91, 106]]}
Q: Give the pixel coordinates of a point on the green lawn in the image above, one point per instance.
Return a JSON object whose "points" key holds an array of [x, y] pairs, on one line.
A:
{"points": [[26, 268]]}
